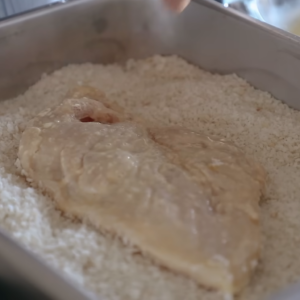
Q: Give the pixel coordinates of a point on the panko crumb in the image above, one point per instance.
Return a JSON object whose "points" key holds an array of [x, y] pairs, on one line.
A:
{"points": [[164, 91]]}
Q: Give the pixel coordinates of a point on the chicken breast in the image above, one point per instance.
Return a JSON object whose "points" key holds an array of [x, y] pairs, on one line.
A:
{"points": [[189, 202]]}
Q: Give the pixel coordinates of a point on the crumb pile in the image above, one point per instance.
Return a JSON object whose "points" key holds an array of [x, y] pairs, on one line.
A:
{"points": [[163, 91]]}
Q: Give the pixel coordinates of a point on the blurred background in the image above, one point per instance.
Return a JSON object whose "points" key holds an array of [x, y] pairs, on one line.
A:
{"points": [[12, 7], [284, 14]]}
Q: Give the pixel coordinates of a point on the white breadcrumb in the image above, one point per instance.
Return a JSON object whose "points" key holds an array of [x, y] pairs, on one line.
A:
{"points": [[164, 91]]}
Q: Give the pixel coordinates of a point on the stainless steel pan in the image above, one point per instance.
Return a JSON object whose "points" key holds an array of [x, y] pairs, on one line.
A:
{"points": [[103, 31]]}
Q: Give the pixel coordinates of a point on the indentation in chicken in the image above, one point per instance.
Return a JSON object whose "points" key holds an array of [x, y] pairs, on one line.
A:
{"points": [[186, 200]]}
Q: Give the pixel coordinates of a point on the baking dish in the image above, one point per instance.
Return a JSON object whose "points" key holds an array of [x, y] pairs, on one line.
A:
{"points": [[105, 31]]}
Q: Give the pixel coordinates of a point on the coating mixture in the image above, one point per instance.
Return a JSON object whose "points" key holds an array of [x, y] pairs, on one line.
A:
{"points": [[163, 91]]}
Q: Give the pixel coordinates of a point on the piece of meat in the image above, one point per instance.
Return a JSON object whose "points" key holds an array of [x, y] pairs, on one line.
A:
{"points": [[184, 199]]}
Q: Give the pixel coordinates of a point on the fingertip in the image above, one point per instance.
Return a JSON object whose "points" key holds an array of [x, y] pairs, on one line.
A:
{"points": [[177, 5]]}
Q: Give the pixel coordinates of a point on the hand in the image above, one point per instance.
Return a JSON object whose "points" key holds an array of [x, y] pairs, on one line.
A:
{"points": [[177, 5]]}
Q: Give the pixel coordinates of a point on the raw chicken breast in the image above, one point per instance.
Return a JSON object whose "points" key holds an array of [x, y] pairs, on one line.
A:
{"points": [[184, 199]]}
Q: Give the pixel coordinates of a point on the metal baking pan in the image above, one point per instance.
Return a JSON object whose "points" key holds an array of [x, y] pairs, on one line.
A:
{"points": [[105, 31]]}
